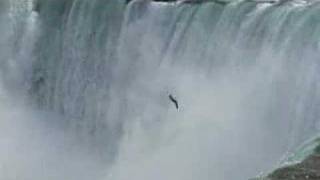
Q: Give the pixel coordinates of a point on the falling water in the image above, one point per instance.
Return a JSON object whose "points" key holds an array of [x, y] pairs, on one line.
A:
{"points": [[84, 88]]}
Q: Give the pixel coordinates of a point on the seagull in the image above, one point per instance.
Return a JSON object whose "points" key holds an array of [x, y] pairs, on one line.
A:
{"points": [[174, 101]]}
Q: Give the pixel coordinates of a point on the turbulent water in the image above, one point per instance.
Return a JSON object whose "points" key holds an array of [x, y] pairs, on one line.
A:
{"points": [[85, 83]]}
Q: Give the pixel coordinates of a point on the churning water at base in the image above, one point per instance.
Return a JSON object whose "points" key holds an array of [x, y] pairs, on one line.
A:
{"points": [[84, 88]]}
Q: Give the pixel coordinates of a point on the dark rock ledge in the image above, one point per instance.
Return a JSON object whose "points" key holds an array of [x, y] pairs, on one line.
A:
{"points": [[308, 169]]}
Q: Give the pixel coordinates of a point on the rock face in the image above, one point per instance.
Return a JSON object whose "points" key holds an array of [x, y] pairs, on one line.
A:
{"points": [[308, 169]]}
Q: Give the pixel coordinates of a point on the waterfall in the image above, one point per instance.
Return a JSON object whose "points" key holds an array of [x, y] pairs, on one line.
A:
{"points": [[98, 73]]}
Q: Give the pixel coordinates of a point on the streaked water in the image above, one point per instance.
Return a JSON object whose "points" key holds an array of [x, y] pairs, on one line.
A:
{"points": [[93, 79]]}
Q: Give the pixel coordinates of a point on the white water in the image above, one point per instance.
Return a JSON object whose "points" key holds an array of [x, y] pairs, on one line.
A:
{"points": [[93, 78]]}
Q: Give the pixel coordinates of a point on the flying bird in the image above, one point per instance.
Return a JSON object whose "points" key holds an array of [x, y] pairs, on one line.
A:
{"points": [[174, 101]]}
